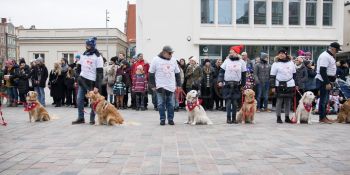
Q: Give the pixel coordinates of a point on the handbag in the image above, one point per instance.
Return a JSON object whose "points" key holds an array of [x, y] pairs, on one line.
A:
{"points": [[283, 90]]}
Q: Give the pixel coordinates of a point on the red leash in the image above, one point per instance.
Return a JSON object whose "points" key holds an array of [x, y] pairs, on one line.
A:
{"points": [[180, 95], [294, 118]]}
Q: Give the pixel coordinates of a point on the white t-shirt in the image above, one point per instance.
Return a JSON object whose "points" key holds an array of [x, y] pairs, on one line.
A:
{"points": [[164, 71], [89, 64], [233, 69], [283, 71], [328, 61]]}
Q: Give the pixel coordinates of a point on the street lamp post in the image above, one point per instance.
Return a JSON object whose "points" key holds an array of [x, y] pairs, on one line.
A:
{"points": [[107, 20]]}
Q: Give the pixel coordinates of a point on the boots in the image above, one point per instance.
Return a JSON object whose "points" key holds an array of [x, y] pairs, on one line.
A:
{"points": [[279, 120], [287, 120], [78, 121], [228, 121]]}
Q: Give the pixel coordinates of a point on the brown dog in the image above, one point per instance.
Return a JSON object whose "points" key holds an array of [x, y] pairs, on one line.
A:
{"points": [[36, 111], [107, 113], [248, 109], [344, 113]]}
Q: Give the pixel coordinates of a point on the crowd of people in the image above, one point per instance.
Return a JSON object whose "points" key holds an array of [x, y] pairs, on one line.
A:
{"points": [[134, 81]]}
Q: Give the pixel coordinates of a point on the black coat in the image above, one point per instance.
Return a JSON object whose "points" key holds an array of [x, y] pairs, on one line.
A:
{"points": [[207, 92], [23, 79], [57, 84], [40, 71]]}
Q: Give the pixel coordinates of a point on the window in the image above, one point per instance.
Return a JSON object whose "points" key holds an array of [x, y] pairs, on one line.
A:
{"points": [[259, 12], [225, 11], [2, 40], [69, 57], [37, 55], [327, 12], [277, 13], [294, 12], [242, 12], [209, 51], [207, 11], [311, 7]]}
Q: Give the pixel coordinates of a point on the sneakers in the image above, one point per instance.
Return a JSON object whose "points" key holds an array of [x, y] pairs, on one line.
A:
{"points": [[162, 123], [279, 120], [78, 121], [171, 122], [92, 122]]}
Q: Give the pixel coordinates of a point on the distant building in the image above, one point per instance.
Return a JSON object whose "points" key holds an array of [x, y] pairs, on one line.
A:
{"points": [[8, 49], [54, 44], [207, 28], [345, 54], [130, 28]]}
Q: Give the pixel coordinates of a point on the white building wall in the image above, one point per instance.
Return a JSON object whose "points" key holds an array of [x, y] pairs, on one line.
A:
{"points": [[346, 46]]}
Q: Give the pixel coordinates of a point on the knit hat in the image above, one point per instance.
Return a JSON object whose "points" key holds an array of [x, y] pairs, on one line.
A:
{"points": [[263, 55], [244, 53], [9, 63], [194, 59], [40, 60], [22, 60], [206, 61], [237, 49], [91, 42], [283, 50], [301, 53]]}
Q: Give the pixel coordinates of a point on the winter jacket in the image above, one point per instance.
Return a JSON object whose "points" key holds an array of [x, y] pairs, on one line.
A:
{"points": [[139, 83], [56, 83], [310, 84], [69, 81], [193, 77], [342, 72], [126, 76], [207, 80], [13, 73], [301, 76], [119, 89], [262, 72], [40, 74], [23, 80]]}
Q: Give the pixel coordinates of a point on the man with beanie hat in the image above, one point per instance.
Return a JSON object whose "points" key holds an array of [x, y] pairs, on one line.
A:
{"points": [[90, 67], [262, 81], [232, 78], [39, 77], [326, 75]]}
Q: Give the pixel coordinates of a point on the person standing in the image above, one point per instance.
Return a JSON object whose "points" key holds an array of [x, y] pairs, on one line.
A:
{"points": [[139, 87], [262, 81], [326, 75], [69, 83], [193, 75], [250, 83], [219, 101], [310, 84], [207, 90], [282, 78], [165, 78], [90, 67], [145, 66], [56, 84], [39, 77], [10, 77], [300, 78], [111, 71], [124, 71], [23, 82], [232, 78]]}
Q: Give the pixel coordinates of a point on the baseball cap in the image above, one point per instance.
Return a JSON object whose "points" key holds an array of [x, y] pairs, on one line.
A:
{"points": [[335, 45], [168, 49]]}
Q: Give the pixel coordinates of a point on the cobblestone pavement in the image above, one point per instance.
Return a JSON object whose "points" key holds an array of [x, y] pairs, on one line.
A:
{"points": [[142, 146]]}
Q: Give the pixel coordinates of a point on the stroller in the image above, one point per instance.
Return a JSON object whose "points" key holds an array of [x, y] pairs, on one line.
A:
{"points": [[343, 87]]}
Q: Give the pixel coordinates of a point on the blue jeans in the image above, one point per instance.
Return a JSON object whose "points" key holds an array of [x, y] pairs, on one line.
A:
{"points": [[41, 95], [263, 91], [166, 102], [231, 109], [324, 97], [12, 93], [80, 102]]}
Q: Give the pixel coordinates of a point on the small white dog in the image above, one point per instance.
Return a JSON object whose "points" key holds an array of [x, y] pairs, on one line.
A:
{"points": [[305, 107], [196, 112]]}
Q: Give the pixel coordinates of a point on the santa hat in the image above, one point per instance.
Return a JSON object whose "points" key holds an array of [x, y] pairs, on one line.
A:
{"points": [[237, 49]]}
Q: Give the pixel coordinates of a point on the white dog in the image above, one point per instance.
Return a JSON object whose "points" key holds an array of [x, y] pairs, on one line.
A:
{"points": [[305, 107], [196, 112]]}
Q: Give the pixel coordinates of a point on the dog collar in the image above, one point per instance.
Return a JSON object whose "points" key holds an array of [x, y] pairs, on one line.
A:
{"points": [[307, 107], [30, 106], [94, 105], [192, 105]]}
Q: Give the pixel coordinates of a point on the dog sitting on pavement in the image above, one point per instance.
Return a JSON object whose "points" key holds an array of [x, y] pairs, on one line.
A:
{"points": [[344, 112], [248, 109], [305, 108], [195, 111], [36, 111]]}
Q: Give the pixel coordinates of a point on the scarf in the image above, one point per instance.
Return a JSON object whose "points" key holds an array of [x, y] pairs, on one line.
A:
{"points": [[30, 106], [308, 107], [192, 105], [91, 52]]}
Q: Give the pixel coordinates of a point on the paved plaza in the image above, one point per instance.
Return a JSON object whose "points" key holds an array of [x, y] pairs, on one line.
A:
{"points": [[142, 146]]}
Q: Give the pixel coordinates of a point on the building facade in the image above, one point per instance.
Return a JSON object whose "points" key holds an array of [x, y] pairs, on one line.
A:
{"points": [[346, 46], [130, 28], [8, 49], [54, 44], [207, 28]]}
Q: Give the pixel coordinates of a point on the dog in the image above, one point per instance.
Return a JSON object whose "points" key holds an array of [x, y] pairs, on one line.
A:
{"points": [[106, 112], [305, 108], [195, 111], [248, 109], [35, 110], [344, 112]]}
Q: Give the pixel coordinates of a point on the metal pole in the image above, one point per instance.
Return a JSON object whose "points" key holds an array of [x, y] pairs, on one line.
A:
{"points": [[107, 32]]}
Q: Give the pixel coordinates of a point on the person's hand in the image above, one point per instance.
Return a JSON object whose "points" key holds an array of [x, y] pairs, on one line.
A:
{"points": [[153, 89], [95, 90], [220, 84], [273, 90], [297, 88], [328, 86]]}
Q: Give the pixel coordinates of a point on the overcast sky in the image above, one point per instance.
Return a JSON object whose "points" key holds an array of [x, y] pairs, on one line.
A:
{"points": [[64, 13]]}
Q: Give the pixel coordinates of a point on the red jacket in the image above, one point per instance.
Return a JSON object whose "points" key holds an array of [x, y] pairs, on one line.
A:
{"points": [[144, 65]]}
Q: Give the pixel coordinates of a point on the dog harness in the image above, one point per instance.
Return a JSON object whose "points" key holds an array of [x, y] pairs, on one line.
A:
{"points": [[30, 106], [192, 105], [94, 105], [308, 107]]}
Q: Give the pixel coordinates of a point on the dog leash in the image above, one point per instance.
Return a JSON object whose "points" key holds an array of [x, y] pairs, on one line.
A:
{"points": [[180, 94], [294, 118]]}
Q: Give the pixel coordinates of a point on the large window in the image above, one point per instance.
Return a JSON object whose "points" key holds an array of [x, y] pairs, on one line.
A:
{"points": [[294, 12], [207, 11], [69, 57], [277, 13], [37, 55], [311, 7], [327, 12], [225, 11], [259, 12], [242, 11]]}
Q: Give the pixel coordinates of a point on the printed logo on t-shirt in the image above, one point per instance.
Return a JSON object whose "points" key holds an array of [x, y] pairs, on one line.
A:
{"points": [[166, 69]]}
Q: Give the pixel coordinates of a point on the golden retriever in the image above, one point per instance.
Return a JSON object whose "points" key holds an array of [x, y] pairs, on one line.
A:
{"points": [[248, 109], [195, 111], [305, 107], [344, 113], [106, 113], [36, 111]]}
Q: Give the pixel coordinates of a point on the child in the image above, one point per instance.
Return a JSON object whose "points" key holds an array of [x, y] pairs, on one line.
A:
{"points": [[139, 87], [119, 90], [334, 102]]}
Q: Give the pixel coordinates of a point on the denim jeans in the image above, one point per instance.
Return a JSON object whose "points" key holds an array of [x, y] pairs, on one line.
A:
{"points": [[231, 109], [263, 91], [12, 93], [41, 95], [140, 99], [166, 102], [324, 97], [154, 99], [80, 102]]}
